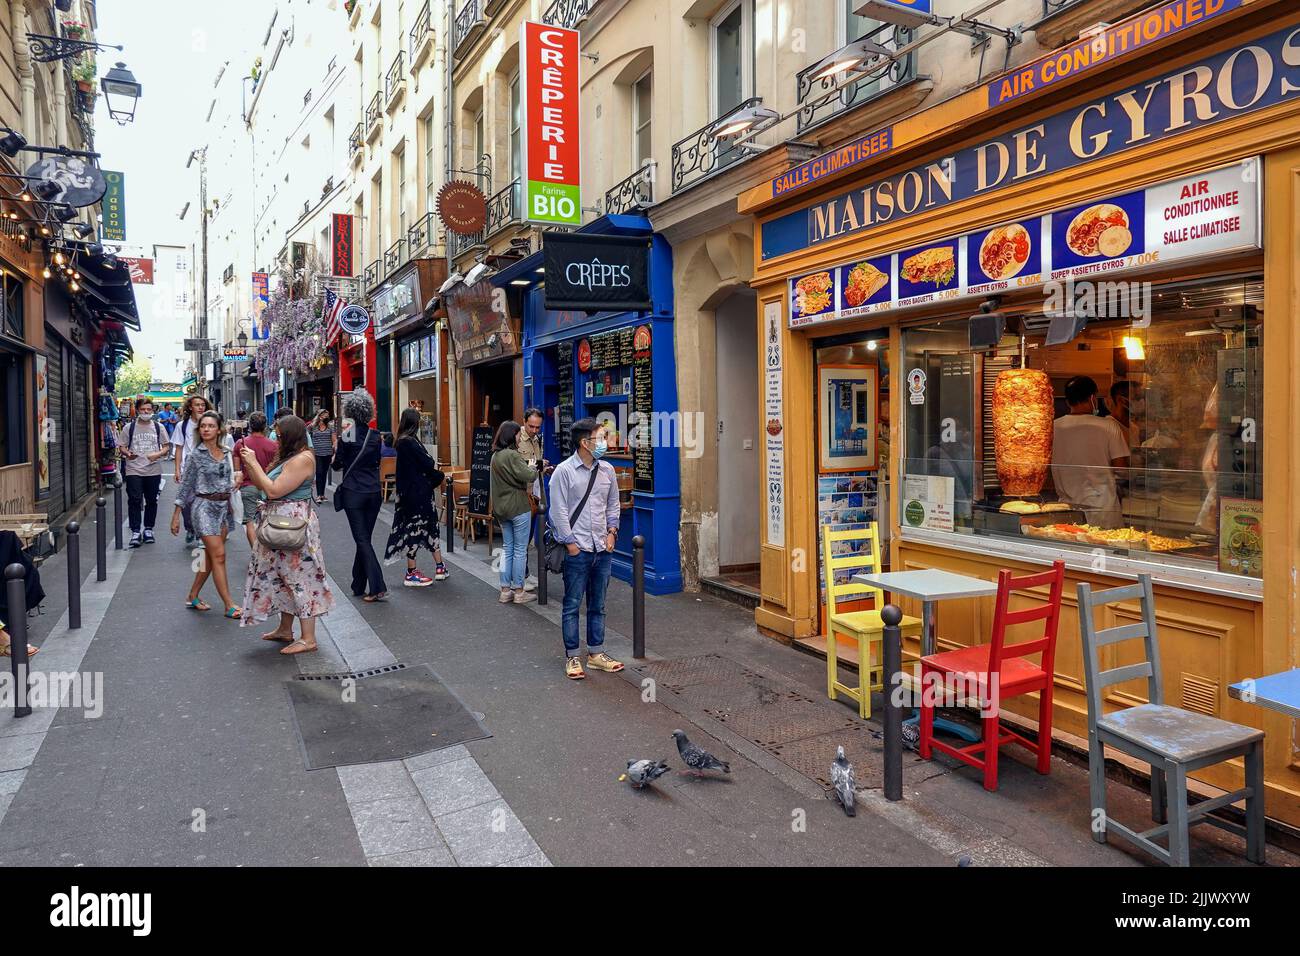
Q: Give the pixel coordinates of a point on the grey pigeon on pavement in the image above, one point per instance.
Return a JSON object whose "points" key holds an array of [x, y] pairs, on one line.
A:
{"points": [[643, 772], [842, 781], [696, 758]]}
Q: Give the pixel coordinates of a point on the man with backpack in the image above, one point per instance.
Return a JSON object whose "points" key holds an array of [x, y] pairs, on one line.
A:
{"points": [[144, 444]]}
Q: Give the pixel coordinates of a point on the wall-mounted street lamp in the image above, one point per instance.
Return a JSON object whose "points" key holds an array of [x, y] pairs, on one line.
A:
{"points": [[121, 93]]}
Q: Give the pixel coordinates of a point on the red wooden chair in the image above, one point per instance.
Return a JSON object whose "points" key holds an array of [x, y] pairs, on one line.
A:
{"points": [[997, 671]]}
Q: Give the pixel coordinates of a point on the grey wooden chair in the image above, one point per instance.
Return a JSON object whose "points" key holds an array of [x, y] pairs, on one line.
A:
{"points": [[1172, 740]]}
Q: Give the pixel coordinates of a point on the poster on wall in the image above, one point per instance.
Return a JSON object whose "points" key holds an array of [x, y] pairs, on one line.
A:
{"points": [[848, 404], [43, 427], [1241, 536], [774, 417], [928, 502]]}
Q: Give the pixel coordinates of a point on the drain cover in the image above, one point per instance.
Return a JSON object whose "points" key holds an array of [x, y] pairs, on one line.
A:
{"points": [[355, 675], [783, 721], [704, 669]]}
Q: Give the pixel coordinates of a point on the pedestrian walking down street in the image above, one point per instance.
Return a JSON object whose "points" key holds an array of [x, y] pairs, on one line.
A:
{"points": [[185, 438], [208, 485], [290, 582], [144, 444], [511, 477], [265, 451], [357, 495], [584, 512], [415, 521], [323, 441], [530, 446]]}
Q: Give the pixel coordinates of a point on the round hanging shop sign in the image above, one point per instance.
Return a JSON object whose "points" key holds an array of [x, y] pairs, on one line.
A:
{"points": [[462, 207], [78, 182], [584, 356], [354, 320]]}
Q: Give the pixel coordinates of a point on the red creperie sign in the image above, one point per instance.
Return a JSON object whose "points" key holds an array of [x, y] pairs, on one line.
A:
{"points": [[552, 190], [141, 269]]}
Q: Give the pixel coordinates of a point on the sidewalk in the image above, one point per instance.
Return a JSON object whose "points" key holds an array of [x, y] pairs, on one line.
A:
{"points": [[195, 760]]}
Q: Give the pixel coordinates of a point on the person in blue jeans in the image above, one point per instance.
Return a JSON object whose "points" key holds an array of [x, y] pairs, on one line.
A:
{"points": [[511, 477], [587, 528]]}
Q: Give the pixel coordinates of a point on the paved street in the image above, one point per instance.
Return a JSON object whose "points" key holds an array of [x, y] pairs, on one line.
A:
{"points": [[194, 759]]}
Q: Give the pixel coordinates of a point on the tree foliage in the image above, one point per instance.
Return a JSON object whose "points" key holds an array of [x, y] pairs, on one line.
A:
{"points": [[133, 377]]}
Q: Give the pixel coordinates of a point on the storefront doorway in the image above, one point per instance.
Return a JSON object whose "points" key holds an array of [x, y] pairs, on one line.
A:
{"points": [[739, 441], [493, 396]]}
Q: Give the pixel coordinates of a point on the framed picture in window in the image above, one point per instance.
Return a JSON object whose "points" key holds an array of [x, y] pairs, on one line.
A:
{"points": [[847, 406]]}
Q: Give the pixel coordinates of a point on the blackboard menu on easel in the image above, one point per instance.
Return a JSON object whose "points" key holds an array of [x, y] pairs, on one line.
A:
{"points": [[480, 470], [643, 405], [564, 377]]}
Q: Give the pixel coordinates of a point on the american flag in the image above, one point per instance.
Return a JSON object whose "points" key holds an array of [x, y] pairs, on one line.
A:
{"points": [[333, 306]]}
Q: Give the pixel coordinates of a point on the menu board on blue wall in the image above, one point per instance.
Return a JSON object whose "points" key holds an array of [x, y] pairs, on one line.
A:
{"points": [[928, 273], [1003, 256], [865, 287], [1093, 234]]}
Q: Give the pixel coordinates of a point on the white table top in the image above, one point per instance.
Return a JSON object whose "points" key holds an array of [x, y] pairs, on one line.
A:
{"points": [[929, 584]]}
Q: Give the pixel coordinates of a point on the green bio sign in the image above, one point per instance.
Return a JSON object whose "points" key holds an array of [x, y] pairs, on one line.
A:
{"points": [[114, 207]]}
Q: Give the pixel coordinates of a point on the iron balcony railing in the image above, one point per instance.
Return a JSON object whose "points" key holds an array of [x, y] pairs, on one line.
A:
{"points": [[504, 208], [374, 111], [469, 24], [819, 99], [700, 155], [372, 275], [356, 139], [394, 256], [423, 234], [422, 31], [635, 192], [568, 13], [395, 81], [462, 244]]}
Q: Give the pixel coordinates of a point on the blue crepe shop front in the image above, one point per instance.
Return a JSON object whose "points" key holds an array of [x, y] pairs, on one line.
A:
{"points": [[597, 307]]}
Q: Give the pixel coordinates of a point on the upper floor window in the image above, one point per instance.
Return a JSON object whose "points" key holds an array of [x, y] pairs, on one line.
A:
{"points": [[516, 140], [430, 167], [642, 104], [13, 306], [730, 52]]}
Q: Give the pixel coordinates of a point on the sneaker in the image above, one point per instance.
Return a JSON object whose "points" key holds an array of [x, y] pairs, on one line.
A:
{"points": [[440, 573], [135, 540], [148, 536], [523, 597], [189, 539], [416, 579], [530, 583], [603, 662], [507, 596], [573, 669]]}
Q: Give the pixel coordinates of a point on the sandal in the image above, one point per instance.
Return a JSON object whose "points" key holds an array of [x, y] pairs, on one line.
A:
{"points": [[32, 651], [234, 612], [298, 647], [198, 604], [280, 636]]}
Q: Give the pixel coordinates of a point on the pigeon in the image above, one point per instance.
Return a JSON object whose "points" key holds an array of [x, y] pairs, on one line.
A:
{"points": [[842, 782], [640, 773], [698, 759]]}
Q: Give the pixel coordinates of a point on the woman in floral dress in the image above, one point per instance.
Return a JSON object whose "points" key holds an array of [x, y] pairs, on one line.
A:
{"points": [[415, 523], [208, 482], [291, 582]]}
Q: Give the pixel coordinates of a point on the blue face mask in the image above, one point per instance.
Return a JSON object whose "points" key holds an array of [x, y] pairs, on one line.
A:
{"points": [[602, 446]]}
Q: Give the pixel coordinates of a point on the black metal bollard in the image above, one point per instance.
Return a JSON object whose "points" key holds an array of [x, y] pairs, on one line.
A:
{"points": [[542, 587], [638, 597], [117, 516], [74, 575], [449, 506], [16, 586], [892, 659], [101, 540]]}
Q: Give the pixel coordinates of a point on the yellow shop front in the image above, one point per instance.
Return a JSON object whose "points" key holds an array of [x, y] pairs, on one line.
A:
{"points": [[935, 325]]}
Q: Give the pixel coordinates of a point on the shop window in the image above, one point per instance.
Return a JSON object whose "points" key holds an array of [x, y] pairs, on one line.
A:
{"points": [[13, 413], [13, 305], [1005, 442]]}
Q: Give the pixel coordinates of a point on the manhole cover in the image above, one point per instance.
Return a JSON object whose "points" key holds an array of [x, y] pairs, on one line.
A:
{"points": [[704, 669], [745, 692], [783, 721]]}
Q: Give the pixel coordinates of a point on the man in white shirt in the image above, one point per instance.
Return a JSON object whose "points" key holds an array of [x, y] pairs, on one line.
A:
{"points": [[1086, 450], [144, 444]]}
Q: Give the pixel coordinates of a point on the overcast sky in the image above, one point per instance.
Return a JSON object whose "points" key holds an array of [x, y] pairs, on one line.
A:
{"points": [[175, 50]]}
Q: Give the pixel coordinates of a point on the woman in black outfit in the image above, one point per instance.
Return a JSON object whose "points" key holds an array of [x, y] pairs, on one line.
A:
{"points": [[357, 456], [415, 521], [321, 435]]}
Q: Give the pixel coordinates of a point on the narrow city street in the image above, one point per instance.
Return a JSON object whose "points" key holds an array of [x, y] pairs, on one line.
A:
{"points": [[195, 760]]}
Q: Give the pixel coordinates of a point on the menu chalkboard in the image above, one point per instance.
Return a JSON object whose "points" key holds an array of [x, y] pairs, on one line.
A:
{"points": [[564, 376], [643, 406], [480, 470]]}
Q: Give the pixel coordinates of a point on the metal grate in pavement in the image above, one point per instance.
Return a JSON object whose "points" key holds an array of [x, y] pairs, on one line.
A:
{"points": [[783, 721], [703, 669], [747, 692], [388, 669]]}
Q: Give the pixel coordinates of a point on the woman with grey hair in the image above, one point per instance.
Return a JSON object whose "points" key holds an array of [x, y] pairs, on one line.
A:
{"points": [[357, 495]]}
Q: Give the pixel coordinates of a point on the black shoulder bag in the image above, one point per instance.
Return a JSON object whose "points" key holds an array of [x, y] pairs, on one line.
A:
{"points": [[555, 552]]}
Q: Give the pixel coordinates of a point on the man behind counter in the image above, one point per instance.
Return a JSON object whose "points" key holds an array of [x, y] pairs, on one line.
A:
{"points": [[1085, 451]]}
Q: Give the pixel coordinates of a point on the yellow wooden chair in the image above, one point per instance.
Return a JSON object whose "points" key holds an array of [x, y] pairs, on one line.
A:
{"points": [[864, 626]]}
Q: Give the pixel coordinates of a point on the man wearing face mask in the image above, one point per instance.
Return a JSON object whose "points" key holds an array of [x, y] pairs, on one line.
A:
{"points": [[584, 512], [144, 445], [1086, 452]]}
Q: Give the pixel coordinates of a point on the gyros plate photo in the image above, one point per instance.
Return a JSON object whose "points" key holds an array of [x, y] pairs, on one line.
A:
{"points": [[1100, 230], [1004, 251]]}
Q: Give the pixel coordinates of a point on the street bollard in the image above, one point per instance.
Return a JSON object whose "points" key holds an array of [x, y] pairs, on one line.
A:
{"points": [[892, 661], [16, 585], [117, 516], [449, 506], [74, 575], [638, 597], [541, 558], [101, 540]]}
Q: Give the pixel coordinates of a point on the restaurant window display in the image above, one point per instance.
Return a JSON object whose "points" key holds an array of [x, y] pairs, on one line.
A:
{"points": [[1134, 439], [418, 366]]}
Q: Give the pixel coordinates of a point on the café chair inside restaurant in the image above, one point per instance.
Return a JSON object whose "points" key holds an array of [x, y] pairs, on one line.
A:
{"points": [[1172, 740], [863, 626], [993, 672]]}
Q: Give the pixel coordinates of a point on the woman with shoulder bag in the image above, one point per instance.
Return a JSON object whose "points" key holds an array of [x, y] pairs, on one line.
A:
{"points": [[287, 570], [208, 484], [357, 494], [512, 476], [415, 522]]}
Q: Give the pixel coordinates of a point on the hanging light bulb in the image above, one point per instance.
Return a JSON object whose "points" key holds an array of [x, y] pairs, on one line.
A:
{"points": [[46, 272], [45, 230], [58, 258], [75, 287]]}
